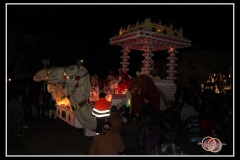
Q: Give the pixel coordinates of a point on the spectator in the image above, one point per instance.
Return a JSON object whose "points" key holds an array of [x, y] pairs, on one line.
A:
{"points": [[26, 101], [131, 136], [169, 147], [126, 115], [15, 117], [149, 138], [116, 120], [149, 109], [228, 132], [52, 109], [206, 121], [41, 105], [190, 136], [187, 111], [171, 120], [107, 143]]}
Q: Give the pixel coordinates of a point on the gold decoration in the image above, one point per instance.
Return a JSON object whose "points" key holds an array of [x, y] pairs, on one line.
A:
{"points": [[147, 25]]}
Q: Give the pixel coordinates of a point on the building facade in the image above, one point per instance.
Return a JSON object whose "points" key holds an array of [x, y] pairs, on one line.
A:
{"points": [[195, 66]]}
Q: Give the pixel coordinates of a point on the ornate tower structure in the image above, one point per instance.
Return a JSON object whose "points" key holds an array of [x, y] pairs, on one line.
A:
{"points": [[149, 37]]}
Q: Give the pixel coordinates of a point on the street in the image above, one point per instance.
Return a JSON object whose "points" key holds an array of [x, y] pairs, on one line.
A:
{"points": [[49, 138]]}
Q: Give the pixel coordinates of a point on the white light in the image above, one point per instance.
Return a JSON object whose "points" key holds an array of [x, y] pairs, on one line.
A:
{"points": [[9, 79]]}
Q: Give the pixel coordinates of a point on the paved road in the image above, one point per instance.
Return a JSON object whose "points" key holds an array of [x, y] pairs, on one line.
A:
{"points": [[49, 138]]}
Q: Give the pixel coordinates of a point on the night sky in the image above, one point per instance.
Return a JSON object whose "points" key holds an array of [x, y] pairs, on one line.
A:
{"points": [[85, 30]]}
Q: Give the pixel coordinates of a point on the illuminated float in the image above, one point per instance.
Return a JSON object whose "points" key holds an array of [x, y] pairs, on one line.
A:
{"points": [[150, 37], [71, 86]]}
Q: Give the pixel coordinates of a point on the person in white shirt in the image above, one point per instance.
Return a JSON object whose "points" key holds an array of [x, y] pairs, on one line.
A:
{"points": [[187, 111]]}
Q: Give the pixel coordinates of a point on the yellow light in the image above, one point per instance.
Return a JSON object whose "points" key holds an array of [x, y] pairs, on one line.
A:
{"points": [[109, 97], [124, 91], [63, 101]]}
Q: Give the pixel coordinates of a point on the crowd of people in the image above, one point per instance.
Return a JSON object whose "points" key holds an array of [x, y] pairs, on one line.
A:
{"points": [[25, 106], [177, 130]]}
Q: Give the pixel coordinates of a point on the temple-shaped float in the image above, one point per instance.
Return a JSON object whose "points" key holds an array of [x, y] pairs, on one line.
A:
{"points": [[150, 37]]}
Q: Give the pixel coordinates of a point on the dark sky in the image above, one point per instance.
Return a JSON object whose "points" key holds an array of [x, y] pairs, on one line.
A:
{"points": [[89, 27]]}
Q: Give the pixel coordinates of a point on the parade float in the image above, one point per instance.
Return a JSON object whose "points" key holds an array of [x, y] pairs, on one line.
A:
{"points": [[151, 37], [74, 92], [71, 89]]}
